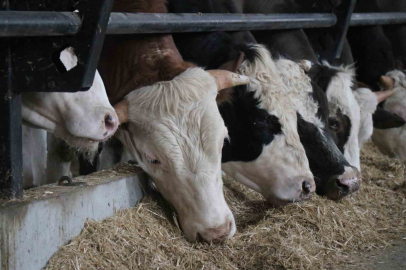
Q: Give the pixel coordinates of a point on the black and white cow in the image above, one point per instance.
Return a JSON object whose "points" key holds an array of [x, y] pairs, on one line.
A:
{"points": [[334, 175]]}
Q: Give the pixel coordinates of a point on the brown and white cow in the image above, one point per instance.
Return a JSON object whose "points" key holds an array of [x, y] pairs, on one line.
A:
{"points": [[170, 122]]}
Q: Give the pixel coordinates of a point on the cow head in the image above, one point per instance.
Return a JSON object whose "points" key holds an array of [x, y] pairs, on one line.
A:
{"points": [[264, 151], [335, 160], [82, 119], [176, 134], [373, 116]]}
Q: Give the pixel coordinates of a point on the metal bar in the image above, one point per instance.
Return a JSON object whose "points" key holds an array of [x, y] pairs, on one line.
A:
{"points": [[378, 18], [130, 23], [24, 24], [11, 179], [344, 15]]}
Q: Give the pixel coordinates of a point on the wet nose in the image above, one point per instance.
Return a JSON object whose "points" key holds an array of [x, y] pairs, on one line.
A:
{"points": [[348, 182], [217, 234], [110, 124], [307, 187]]}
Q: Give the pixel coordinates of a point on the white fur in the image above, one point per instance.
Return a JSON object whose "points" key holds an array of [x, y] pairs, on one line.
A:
{"points": [[341, 96], [178, 123], [392, 141], [282, 89], [367, 102]]}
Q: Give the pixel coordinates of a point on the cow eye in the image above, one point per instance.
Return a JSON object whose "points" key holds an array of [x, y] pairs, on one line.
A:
{"points": [[154, 161], [261, 121], [334, 124]]}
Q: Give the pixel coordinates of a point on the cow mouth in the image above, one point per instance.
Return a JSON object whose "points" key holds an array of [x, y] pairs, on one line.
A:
{"points": [[82, 143]]}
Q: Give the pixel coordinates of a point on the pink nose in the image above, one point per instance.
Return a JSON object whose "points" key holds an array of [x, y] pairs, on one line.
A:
{"points": [[348, 182], [110, 124], [218, 234]]}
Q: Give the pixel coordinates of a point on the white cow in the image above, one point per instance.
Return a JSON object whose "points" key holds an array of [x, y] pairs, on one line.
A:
{"points": [[392, 141], [82, 119]]}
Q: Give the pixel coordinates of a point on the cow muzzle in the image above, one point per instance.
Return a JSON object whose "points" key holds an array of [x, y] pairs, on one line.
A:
{"points": [[344, 184], [217, 234]]}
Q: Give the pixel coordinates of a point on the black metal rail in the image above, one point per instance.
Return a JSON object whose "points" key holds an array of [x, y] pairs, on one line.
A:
{"points": [[28, 23]]}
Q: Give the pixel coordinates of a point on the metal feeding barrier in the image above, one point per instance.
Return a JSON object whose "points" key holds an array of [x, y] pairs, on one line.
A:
{"points": [[34, 32]]}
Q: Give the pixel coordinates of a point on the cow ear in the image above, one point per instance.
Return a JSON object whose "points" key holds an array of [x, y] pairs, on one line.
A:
{"points": [[384, 119]]}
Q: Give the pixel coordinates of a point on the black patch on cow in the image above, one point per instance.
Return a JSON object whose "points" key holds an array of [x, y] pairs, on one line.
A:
{"points": [[249, 127], [325, 159], [341, 126], [322, 75]]}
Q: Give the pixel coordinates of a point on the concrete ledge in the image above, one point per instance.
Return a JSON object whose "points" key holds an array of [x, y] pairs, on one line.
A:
{"points": [[33, 229]]}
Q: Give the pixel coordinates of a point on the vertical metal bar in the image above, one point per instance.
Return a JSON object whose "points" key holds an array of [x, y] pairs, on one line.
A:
{"points": [[11, 151], [343, 13], [11, 179]]}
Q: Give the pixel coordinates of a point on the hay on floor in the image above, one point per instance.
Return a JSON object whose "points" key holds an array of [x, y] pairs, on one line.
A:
{"points": [[318, 234]]}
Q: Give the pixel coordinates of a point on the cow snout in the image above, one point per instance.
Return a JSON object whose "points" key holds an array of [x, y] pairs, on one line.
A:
{"points": [[218, 234], [308, 188], [110, 124], [344, 184]]}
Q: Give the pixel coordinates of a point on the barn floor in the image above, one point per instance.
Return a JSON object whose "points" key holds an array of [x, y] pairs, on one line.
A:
{"points": [[318, 234]]}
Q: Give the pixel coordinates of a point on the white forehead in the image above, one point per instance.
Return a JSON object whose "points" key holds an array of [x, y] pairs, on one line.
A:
{"points": [[282, 87], [339, 91], [179, 119], [184, 93], [399, 77]]}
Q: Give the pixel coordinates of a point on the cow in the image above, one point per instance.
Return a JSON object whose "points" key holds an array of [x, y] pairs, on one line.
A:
{"points": [[334, 176], [379, 51], [170, 122], [81, 119], [391, 141]]}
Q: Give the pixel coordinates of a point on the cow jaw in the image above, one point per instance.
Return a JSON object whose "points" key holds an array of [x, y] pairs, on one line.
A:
{"points": [[82, 119], [176, 133], [281, 173]]}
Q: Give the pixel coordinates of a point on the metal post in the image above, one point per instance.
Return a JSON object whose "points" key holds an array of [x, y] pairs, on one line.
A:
{"points": [[11, 180], [344, 14]]}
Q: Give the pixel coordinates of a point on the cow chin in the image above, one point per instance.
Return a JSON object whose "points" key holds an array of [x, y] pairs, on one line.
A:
{"points": [[85, 146]]}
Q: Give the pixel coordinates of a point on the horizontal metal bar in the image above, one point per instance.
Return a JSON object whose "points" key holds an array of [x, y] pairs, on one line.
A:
{"points": [[379, 18], [130, 23], [27, 23]]}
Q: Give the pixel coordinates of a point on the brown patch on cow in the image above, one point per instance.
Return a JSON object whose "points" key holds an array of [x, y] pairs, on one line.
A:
{"points": [[129, 62]]}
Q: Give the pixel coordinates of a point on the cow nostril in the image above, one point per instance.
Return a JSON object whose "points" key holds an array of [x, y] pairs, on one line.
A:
{"points": [[110, 123], [306, 187], [345, 189]]}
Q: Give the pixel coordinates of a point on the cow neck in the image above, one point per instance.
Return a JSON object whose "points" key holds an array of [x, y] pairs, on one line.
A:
{"points": [[140, 61]]}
